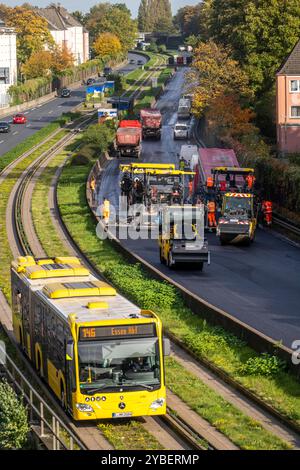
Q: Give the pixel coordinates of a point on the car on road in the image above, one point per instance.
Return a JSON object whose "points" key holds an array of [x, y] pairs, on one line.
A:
{"points": [[132, 61], [19, 119], [4, 127], [65, 93], [140, 62], [181, 131], [107, 71], [90, 81]]}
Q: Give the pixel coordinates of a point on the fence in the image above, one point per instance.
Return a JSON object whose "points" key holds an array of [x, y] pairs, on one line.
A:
{"points": [[45, 423]]}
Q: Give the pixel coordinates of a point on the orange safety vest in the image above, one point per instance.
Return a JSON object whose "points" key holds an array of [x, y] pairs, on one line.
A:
{"points": [[250, 181], [210, 182], [191, 187], [211, 206], [267, 207]]}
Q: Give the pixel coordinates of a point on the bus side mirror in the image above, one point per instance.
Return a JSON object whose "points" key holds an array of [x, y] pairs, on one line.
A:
{"points": [[70, 350], [167, 347]]}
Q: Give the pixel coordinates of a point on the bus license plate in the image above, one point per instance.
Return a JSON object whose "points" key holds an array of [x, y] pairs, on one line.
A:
{"points": [[122, 415]]}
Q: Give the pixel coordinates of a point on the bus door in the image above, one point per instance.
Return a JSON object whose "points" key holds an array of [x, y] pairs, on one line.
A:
{"points": [[70, 376]]}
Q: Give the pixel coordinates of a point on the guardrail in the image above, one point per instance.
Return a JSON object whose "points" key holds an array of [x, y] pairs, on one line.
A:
{"points": [[44, 422]]}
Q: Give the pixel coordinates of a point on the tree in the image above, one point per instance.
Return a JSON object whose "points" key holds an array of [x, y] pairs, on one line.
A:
{"points": [[14, 426], [81, 17], [32, 32], [260, 33], [39, 64], [100, 136], [62, 59], [227, 119], [155, 15], [115, 19], [215, 73], [107, 44]]}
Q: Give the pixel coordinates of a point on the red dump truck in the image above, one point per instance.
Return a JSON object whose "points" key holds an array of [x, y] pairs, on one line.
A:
{"points": [[151, 120], [128, 138]]}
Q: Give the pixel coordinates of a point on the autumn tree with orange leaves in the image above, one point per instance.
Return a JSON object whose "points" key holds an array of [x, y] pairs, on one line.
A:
{"points": [[215, 73], [32, 30]]}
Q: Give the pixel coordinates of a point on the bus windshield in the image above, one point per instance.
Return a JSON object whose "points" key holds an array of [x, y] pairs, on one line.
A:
{"points": [[119, 363]]}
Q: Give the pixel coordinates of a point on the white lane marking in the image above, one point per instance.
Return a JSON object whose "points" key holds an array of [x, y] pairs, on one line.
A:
{"points": [[28, 125], [50, 112], [16, 132], [1, 141], [59, 106], [32, 109], [26, 112]]}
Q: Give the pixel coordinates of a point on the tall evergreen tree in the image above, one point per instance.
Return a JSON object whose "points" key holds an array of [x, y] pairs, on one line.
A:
{"points": [[155, 15]]}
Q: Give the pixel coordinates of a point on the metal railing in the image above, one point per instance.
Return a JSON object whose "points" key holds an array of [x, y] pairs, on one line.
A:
{"points": [[44, 422]]}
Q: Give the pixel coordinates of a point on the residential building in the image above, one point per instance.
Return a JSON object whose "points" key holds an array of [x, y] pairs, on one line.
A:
{"points": [[8, 62], [67, 31], [288, 103]]}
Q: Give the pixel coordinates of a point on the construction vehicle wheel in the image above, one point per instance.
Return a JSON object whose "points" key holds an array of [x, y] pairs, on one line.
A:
{"points": [[162, 259], [171, 263]]}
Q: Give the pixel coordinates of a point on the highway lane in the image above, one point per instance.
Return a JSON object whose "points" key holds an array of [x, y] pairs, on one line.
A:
{"points": [[260, 284], [40, 116]]}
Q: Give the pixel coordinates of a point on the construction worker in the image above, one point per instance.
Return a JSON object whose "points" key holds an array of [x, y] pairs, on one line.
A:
{"points": [[267, 209], [182, 164], [210, 182], [93, 189], [250, 180], [211, 214], [191, 187], [106, 210]]}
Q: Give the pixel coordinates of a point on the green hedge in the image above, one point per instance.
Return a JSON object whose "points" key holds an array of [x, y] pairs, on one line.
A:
{"points": [[279, 180], [30, 90]]}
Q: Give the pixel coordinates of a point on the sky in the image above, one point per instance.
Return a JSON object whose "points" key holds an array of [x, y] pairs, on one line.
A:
{"points": [[73, 5]]}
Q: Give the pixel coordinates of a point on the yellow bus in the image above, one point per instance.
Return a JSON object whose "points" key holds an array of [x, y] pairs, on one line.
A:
{"points": [[101, 355]]}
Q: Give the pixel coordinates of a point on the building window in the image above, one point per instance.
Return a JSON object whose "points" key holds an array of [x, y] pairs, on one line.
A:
{"points": [[4, 75], [295, 112], [295, 86]]}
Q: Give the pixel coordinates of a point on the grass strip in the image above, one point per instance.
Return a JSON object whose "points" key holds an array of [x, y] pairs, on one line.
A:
{"points": [[5, 189], [130, 435], [212, 343], [34, 139], [243, 431]]}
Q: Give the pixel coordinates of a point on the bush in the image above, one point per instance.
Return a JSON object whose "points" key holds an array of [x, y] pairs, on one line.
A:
{"points": [[100, 136], [30, 90], [14, 427], [265, 365]]}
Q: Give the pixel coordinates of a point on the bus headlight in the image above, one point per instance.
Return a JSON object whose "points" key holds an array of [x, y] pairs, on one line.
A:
{"points": [[84, 407], [157, 403]]}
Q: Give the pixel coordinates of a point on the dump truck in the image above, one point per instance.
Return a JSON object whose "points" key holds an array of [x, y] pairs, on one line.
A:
{"points": [[181, 236], [151, 120], [128, 139], [220, 179]]}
